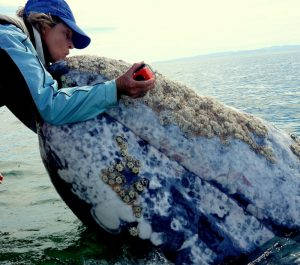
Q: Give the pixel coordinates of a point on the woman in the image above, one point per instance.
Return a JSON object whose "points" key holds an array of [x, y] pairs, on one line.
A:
{"points": [[45, 33]]}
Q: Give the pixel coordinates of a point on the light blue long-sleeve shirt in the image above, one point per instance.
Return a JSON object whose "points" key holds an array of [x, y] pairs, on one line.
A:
{"points": [[55, 106]]}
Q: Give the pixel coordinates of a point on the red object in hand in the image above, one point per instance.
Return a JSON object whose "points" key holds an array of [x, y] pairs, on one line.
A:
{"points": [[1, 178], [143, 73]]}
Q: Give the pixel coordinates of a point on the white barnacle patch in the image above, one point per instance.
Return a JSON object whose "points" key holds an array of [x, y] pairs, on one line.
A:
{"points": [[108, 219], [156, 238], [190, 242], [145, 230], [162, 204], [154, 183]]}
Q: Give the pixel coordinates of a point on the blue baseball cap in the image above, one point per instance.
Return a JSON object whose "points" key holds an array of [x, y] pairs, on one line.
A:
{"points": [[62, 10]]}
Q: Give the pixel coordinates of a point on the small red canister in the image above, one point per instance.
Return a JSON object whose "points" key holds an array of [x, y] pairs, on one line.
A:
{"points": [[143, 73]]}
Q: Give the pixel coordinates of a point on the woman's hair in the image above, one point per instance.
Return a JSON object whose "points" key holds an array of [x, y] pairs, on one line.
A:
{"points": [[38, 20]]}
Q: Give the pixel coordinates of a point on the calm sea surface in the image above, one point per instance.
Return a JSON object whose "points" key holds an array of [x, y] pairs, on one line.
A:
{"points": [[37, 228]]}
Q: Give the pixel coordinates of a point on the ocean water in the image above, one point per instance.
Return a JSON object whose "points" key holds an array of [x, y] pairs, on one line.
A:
{"points": [[36, 227]]}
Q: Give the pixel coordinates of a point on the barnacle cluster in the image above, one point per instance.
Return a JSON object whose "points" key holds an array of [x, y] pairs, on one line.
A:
{"points": [[295, 147], [175, 103], [114, 176], [104, 66]]}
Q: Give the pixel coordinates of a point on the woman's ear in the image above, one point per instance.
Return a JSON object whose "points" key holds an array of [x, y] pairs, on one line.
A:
{"points": [[44, 28]]}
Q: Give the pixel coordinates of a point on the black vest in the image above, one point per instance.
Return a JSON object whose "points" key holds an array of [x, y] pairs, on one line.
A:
{"points": [[14, 92]]}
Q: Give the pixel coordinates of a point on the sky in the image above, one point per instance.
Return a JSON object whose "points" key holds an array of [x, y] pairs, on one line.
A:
{"points": [[158, 30]]}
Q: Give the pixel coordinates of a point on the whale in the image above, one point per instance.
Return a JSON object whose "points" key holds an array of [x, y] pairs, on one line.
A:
{"points": [[200, 181]]}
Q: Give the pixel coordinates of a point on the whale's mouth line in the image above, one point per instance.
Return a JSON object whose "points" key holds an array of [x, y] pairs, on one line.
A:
{"points": [[243, 202]]}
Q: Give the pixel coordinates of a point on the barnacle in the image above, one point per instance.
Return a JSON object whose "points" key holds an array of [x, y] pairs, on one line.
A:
{"points": [[123, 152], [138, 215], [268, 153], [126, 199], [130, 165], [119, 180], [113, 175], [104, 178], [119, 167], [296, 149], [135, 170], [129, 158], [119, 140], [294, 137], [111, 182], [144, 182], [137, 163], [117, 188], [126, 102], [133, 231], [139, 186], [123, 146], [132, 194], [137, 209], [122, 193]]}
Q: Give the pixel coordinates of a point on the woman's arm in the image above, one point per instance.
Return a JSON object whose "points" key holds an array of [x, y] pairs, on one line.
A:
{"points": [[62, 106]]}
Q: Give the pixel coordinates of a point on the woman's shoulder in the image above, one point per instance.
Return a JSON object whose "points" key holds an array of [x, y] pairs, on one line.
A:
{"points": [[13, 37], [12, 30], [14, 23]]}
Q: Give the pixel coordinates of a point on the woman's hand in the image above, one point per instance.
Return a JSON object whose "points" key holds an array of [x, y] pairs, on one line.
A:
{"points": [[126, 85]]}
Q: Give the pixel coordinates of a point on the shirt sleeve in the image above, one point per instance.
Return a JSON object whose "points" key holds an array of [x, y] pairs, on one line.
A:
{"points": [[56, 106]]}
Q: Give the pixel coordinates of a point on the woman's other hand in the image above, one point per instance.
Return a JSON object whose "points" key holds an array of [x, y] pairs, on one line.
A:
{"points": [[126, 85]]}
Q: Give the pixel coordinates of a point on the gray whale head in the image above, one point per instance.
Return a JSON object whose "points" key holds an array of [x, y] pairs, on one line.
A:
{"points": [[184, 172]]}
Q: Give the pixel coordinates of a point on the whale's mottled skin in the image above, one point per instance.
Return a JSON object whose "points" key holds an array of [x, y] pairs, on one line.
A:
{"points": [[199, 180]]}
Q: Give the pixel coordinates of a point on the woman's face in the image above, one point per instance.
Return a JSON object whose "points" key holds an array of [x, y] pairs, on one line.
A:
{"points": [[58, 40]]}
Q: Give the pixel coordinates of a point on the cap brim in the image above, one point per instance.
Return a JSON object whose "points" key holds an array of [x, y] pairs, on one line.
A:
{"points": [[79, 38]]}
